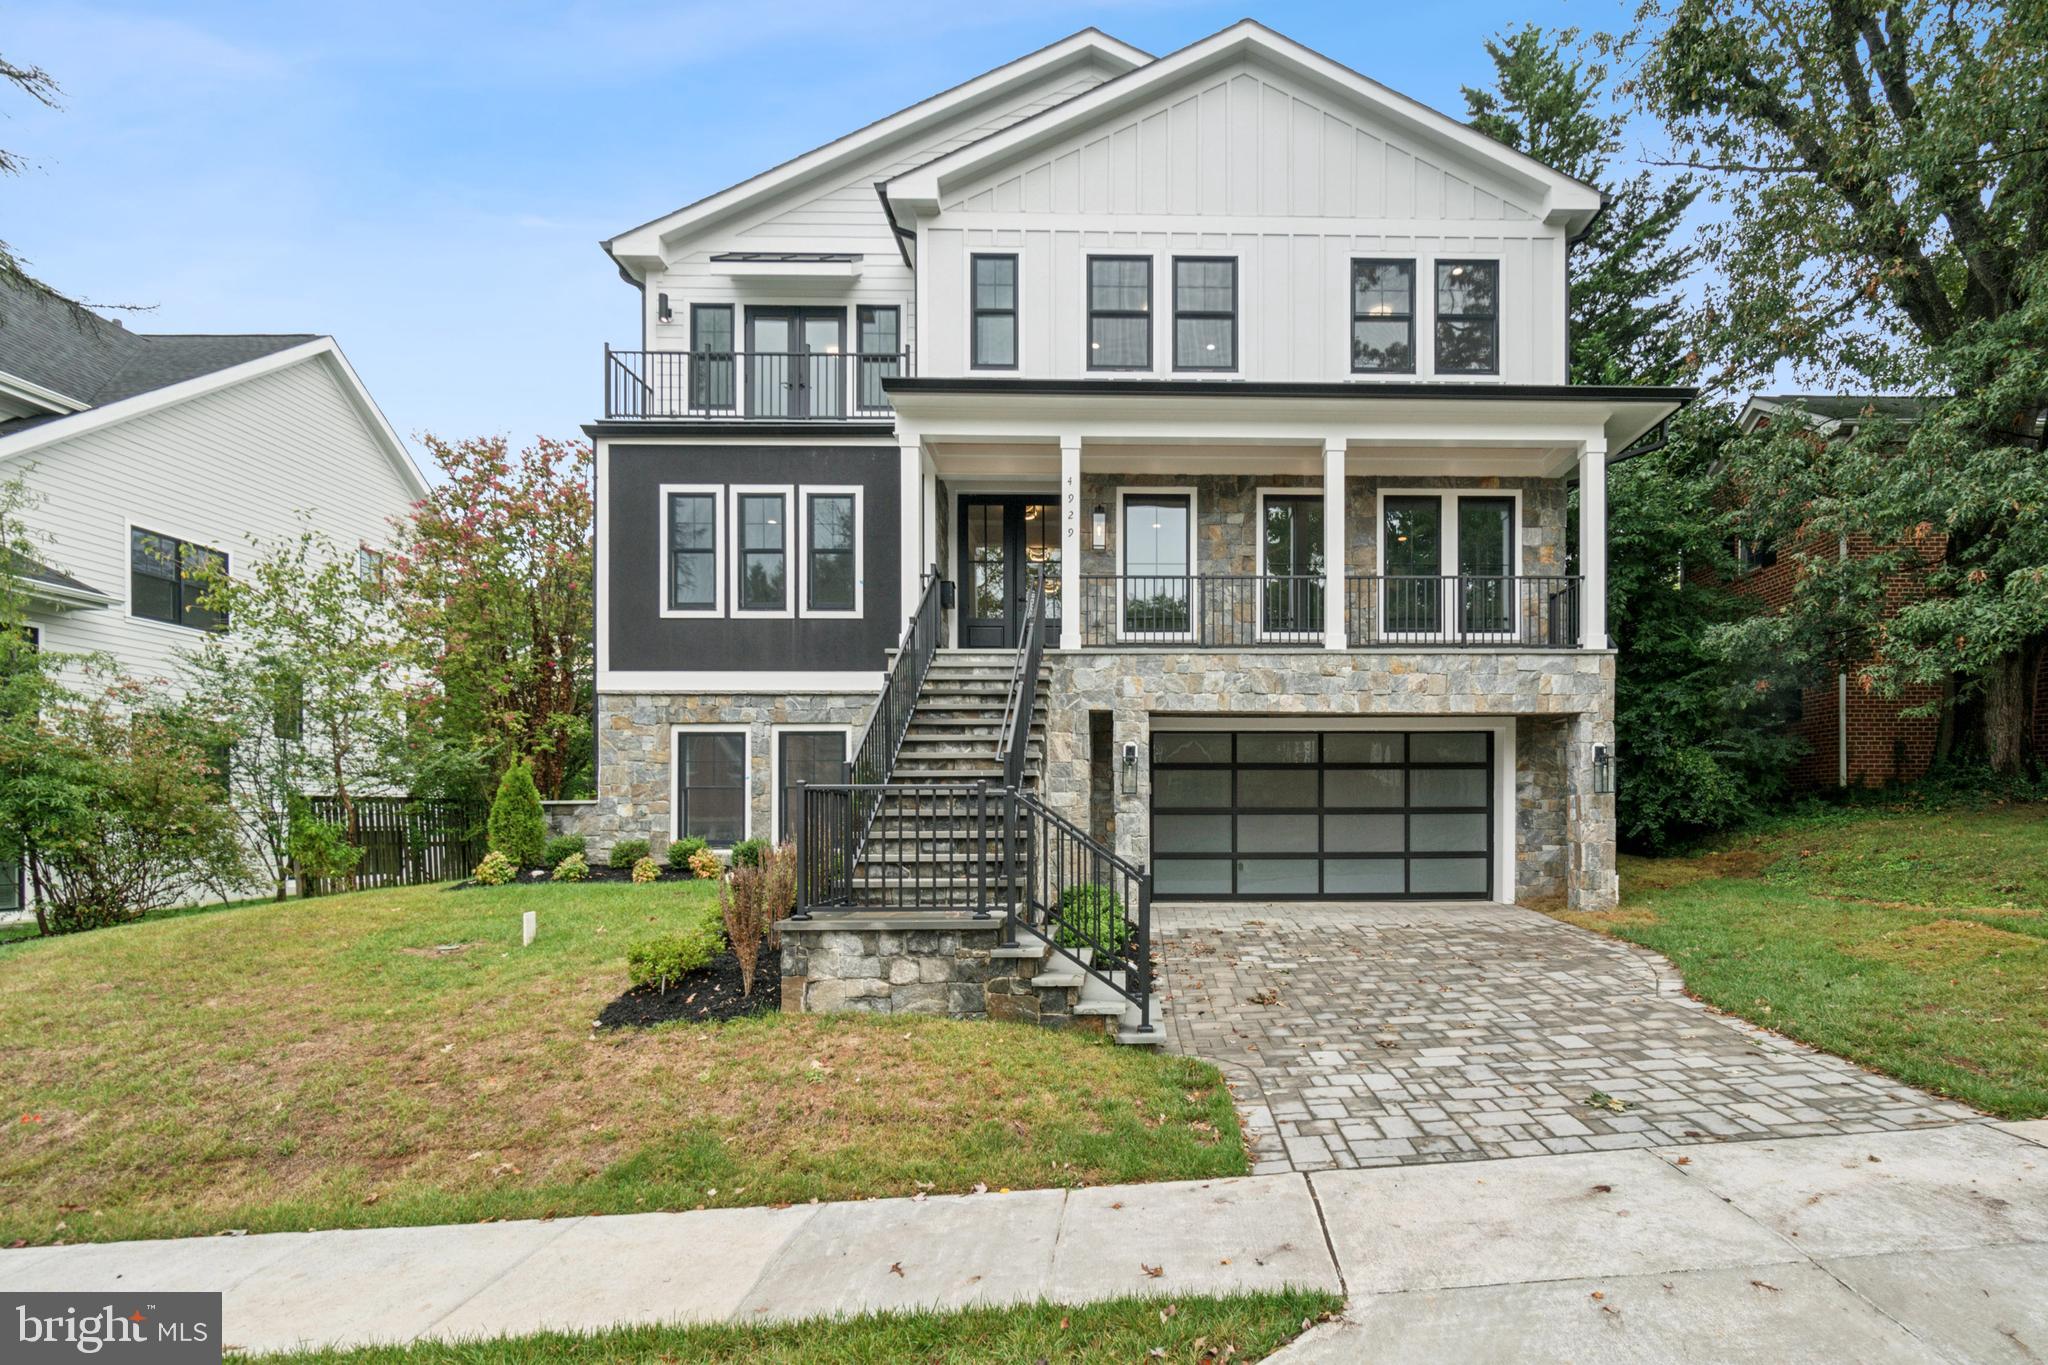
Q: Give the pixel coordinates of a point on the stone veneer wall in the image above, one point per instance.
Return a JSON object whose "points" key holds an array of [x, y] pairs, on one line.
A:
{"points": [[1563, 704], [920, 964]]}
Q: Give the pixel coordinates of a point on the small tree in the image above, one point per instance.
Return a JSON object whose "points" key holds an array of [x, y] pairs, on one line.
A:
{"points": [[518, 828], [751, 900]]}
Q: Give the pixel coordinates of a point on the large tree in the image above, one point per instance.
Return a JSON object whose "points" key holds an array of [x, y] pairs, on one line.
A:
{"points": [[41, 87], [1883, 174]]}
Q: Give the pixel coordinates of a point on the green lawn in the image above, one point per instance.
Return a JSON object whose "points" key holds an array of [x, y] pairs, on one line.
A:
{"points": [[1909, 940], [395, 1057], [1243, 1328]]}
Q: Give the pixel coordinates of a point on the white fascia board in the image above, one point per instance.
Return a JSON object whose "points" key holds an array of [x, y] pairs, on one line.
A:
{"points": [[1565, 200], [646, 246], [61, 597], [127, 409], [36, 395], [808, 272]]}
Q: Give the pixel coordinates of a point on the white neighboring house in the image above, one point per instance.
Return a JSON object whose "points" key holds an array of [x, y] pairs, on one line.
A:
{"points": [[148, 453]]}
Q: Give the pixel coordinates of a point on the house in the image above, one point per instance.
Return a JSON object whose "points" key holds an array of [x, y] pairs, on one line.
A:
{"points": [[150, 455], [1255, 365], [1853, 736]]}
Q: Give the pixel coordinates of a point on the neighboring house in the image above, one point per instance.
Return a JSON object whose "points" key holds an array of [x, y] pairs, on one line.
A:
{"points": [[1261, 364], [151, 455], [1854, 737]]}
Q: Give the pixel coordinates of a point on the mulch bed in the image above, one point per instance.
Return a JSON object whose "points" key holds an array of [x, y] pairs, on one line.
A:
{"points": [[708, 994]]}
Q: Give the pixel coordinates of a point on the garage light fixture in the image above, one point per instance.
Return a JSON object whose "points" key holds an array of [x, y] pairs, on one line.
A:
{"points": [[1130, 770], [1603, 770]]}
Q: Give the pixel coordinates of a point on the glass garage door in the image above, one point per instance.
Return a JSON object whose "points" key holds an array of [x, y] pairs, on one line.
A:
{"points": [[1273, 814]]}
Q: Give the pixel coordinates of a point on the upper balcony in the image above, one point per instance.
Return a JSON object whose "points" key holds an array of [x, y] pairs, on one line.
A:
{"points": [[749, 386]]}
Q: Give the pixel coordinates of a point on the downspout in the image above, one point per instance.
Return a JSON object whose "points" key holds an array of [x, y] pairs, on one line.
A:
{"points": [[902, 234], [1842, 709]]}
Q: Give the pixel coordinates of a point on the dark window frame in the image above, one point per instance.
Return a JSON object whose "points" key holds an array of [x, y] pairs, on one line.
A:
{"points": [[1358, 265], [975, 312], [785, 790], [811, 497], [680, 739], [741, 554], [714, 367], [1148, 314], [670, 552], [1236, 360], [875, 366], [180, 608], [1439, 317]]}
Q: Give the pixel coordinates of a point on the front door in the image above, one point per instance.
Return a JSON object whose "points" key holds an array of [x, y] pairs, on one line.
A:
{"points": [[1003, 540], [796, 362]]}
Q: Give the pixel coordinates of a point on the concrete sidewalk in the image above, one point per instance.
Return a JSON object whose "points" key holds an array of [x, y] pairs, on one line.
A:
{"points": [[1921, 1245]]}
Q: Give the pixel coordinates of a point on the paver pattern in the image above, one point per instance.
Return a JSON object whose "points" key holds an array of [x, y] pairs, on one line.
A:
{"points": [[1375, 1035]]}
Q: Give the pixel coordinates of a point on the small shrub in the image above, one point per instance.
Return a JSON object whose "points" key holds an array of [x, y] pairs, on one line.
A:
{"points": [[705, 864], [645, 871], [561, 846], [751, 900], [665, 959], [574, 868], [517, 828], [747, 852], [682, 851], [1091, 916], [320, 848], [495, 870], [626, 852]]}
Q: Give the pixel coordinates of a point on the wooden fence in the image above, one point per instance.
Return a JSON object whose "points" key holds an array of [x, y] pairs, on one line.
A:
{"points": [[406, 840]]}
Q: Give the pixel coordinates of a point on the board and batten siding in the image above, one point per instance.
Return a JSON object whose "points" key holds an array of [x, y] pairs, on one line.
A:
{"points": [[218, 469], [847, 217], [1240, 163]]}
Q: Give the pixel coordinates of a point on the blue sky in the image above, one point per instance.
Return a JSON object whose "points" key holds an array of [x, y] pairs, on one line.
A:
{"points": [[428, 182]]}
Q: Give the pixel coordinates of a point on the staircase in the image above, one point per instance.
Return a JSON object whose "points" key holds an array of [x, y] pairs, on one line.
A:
{"points": [[957, 725]]}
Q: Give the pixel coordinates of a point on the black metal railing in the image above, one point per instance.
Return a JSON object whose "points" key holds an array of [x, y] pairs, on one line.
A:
{"points": [[1015, 741], [1463, 610], [874, 753], [1202, 611], [769, 386], [1082, 899]]}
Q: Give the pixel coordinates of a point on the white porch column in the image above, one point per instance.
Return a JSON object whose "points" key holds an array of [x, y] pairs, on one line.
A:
{"points": [[932, 551], [1333, 543], [1070, 542], [910, 514], [1593, 543]]}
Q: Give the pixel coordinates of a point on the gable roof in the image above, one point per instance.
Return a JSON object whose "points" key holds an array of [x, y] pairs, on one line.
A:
{"points": [[642, 243], [1831, 412], [1563, 200]]}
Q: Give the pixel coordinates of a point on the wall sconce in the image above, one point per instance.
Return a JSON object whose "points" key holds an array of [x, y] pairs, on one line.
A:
{"points": [[1101, 527], [1130, 770], [1603, 770], [661, 312]]}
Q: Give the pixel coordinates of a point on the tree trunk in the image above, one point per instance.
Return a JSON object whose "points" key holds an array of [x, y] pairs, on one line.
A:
{"points": [[2010, 693]]}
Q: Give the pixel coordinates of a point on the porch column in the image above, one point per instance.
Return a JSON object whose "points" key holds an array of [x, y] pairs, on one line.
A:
{"points": [[1070, 542], [931, 553], [1334, 636], [1593, 544], [910, 515]]}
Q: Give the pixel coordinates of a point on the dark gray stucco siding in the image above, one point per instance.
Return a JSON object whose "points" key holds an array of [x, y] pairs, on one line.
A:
{"points": [[643, 640]]}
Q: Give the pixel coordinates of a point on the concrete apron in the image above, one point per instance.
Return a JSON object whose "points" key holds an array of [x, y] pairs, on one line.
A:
{"points": [[1919, 1245]]}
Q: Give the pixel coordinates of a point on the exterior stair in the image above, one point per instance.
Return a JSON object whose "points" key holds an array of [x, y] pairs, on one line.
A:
{"points": [[1060, 994]]}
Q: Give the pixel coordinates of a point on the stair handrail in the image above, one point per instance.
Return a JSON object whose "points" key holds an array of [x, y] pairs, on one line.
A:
{"points": [[873, 759], [1015, 740]]}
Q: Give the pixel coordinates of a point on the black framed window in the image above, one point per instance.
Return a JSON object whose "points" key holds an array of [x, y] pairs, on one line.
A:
{"points": [[288, 715], [1119, 312], [830, 573], [693, 552], [711, 356], [711, 786], [1467, 317], [995, 312], [878, 335], [763, 551], [1204, 313], [167, 577], [805, 756], [1383, 317]]}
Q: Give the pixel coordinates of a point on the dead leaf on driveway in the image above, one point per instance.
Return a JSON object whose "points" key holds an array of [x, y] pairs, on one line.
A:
{"points": [[896, 1269], [1154, 1271]]}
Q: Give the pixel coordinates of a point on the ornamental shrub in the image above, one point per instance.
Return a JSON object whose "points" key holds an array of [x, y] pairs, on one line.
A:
{"points": [[574, 868], [517, 828], [705, 864], [1092, 916], [645, 871], [667, 958], [561, 846], [495, 870], [683, 850], [747, 852], [751, 900], [626, 852]]}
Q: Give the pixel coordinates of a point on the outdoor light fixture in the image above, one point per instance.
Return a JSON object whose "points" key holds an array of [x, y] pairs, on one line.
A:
{"points": [[1130, 770], [661, 311], [1603, 769], [1101, 526]]}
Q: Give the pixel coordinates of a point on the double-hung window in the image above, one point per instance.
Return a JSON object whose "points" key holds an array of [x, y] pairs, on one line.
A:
{"points": [[994, 286], [832, 536], [168, 577], [879, 335], [1119, 312], [1383, 317], [1468, 317], [711, 784], [761, 537], [711, 358], [690, 524], [804, 756], [1204, 313]]}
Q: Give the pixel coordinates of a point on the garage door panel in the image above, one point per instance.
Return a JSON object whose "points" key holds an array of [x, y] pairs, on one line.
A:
{"points": [[1278, 877], [1190, 833], [1365, 876], [1364, 833], [1191, 787], [1276, 789], [1368, 787], [1447, 787], [1191, 876], [1432, 833], [1277, 833], [1447, 876]]}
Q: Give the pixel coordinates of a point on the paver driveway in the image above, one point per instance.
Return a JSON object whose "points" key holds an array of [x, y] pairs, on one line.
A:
{"points": [[1375, 1034]]}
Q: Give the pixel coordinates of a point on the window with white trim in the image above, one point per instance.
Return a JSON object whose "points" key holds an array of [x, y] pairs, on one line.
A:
{"points": [[168, 577], [761, 551], [1468, 317], [1383, 317], [692, 524], [1119, 312], [711, 784], [832, 542]]}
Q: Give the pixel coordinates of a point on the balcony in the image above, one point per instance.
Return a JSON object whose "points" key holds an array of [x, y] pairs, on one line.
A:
{"points": [[1260, 611], [749, 386]]}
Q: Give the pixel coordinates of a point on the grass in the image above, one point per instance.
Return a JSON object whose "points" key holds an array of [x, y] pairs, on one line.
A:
{"points": [[1239, 1328], [1913, 941], [396, 1058]]}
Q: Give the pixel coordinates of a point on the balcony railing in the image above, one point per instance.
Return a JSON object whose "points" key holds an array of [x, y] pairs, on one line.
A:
{"points": [[1261, 611], [764, 386]]}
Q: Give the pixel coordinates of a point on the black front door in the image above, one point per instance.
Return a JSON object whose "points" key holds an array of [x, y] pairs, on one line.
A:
{"points": [[1003, 540]]}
